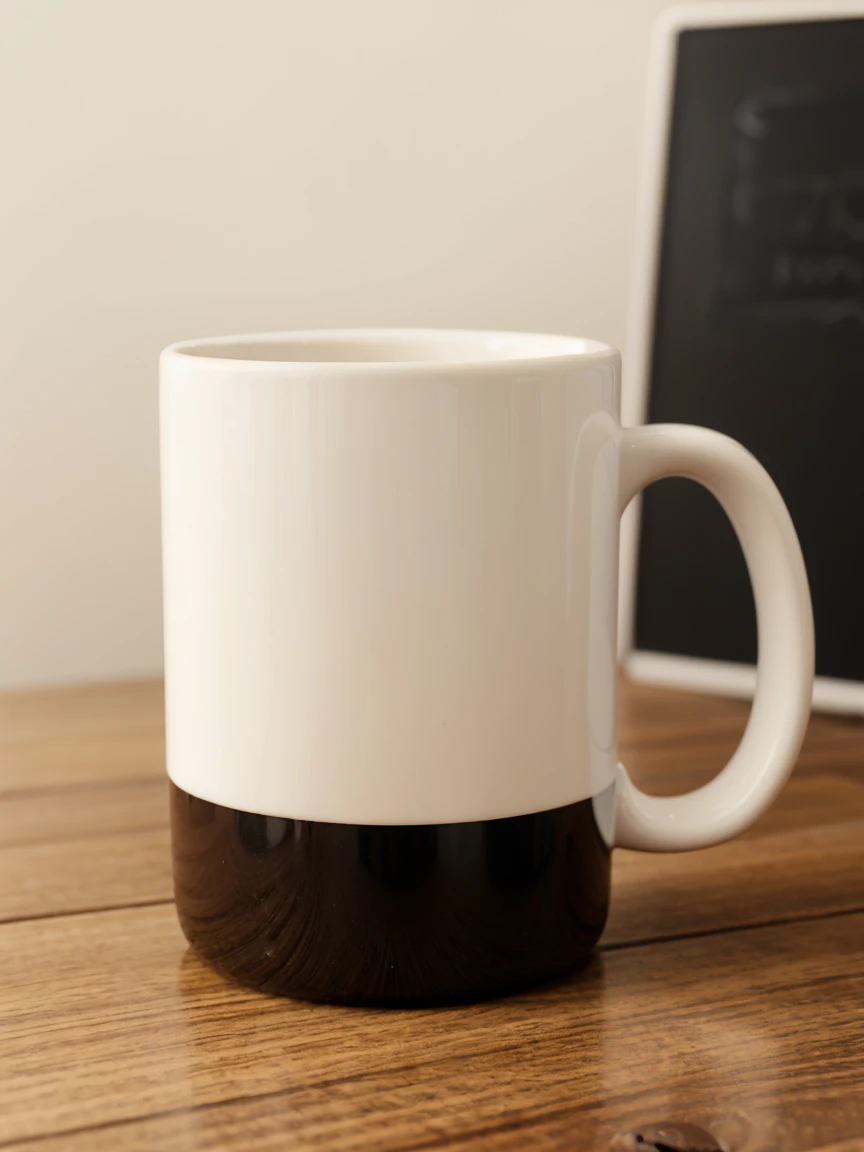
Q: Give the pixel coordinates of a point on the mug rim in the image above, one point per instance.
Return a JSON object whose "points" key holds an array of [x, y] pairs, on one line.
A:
{"points": [[482, 348]]}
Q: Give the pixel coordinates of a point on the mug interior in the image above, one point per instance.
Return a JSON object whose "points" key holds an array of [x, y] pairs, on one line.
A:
{"points": [[391, 346]]}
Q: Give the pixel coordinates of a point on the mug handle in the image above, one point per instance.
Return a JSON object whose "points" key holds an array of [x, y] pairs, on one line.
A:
{"points": [[763, 760]]}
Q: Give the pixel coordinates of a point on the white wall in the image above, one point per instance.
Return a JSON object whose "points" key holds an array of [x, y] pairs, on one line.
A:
{"points": [[176, 168]]}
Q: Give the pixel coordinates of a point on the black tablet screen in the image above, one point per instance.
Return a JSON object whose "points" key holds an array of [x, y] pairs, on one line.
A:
{"points": [[759, 328]]}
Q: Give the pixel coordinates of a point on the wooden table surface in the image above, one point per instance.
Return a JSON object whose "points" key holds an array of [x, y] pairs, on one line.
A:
{"points": [[728, 990]]}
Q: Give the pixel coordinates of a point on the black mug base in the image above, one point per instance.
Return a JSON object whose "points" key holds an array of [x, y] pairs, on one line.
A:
{"points": [[418, 914]]}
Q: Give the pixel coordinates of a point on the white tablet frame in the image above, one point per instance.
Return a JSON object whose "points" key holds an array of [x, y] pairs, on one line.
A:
{"points": [[685, 672]]}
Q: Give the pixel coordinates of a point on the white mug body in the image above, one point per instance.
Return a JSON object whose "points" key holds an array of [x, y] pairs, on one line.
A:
{"points": [[390, 589]]}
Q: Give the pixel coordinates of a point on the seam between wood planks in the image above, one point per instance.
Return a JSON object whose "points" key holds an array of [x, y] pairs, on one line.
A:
{"points": [[72, 912], [84, 786], [641, 942], [89, 837], [777, 922]]}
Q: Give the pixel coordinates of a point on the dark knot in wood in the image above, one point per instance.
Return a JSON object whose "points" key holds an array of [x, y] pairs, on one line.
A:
{"points": [[669, 1136]]}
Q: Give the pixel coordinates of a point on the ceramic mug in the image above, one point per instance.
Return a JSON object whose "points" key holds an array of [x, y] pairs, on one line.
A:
{"points": [[391, 586]]}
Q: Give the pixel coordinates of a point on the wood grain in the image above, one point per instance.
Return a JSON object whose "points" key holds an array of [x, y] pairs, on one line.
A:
{"points": [[730, 991], [742, 883], [671, 741], [105, 871], [104, 846], [809, 873], [55, 816], [760, 1032], [66, 737]]}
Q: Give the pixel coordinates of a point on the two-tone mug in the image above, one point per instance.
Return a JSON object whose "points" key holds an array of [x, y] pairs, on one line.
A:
{"points": [[391, 587]]}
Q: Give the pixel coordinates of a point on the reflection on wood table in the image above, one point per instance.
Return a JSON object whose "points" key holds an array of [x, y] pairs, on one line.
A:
{"points": [[728, 991]]}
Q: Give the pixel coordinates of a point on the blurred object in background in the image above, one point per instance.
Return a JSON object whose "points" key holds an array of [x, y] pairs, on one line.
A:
{"points": [[748, 317], [182, 168]]}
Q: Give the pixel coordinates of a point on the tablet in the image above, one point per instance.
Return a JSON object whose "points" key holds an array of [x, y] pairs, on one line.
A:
{"points": [[747, 316]]}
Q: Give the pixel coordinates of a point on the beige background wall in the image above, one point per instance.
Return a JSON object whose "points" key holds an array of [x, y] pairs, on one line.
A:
{"points": [[176, 168]]}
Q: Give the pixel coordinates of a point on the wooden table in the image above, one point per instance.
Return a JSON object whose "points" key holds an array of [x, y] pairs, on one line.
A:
{"points": [[729, 990]]}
